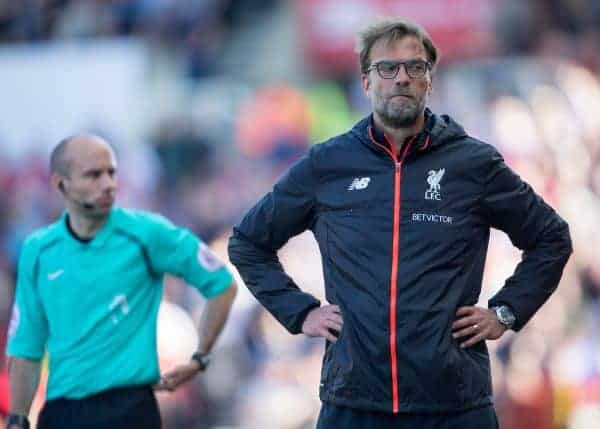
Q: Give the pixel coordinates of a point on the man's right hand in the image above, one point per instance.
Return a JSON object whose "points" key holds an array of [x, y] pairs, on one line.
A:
{"points": [[321, 320]]}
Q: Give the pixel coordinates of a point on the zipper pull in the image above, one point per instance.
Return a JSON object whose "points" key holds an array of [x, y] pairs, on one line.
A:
{"points": [[398, 166]]}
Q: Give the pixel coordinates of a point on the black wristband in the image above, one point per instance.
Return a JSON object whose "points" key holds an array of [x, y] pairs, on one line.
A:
{"points": [[15, 419], [203, 360]]}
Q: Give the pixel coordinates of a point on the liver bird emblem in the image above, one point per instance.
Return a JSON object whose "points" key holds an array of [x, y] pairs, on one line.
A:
{"points": [[434, 178]]}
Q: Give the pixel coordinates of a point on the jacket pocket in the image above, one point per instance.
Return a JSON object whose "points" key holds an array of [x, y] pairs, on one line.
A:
{"points": [[330, 368], [477, 373]]}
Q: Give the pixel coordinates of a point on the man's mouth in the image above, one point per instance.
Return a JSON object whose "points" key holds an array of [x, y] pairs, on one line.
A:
{"points": [[106, 201]]}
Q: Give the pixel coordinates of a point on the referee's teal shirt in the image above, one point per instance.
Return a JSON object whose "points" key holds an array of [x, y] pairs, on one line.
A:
{"points": [[94, 305]]}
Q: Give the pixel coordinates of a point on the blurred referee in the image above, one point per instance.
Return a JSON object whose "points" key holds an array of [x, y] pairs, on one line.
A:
{"points": [[88, 290]]}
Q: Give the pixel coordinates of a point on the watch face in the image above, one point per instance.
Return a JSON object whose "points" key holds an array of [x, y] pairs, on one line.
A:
{"points": [[505, 316]]}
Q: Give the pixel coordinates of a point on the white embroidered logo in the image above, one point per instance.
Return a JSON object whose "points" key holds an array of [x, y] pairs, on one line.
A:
{"points": [[15, 319], [119, 307], [434, 178], [56, 274], [359, 183]]}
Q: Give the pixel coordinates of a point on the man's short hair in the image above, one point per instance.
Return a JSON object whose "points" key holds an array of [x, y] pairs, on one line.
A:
{"points": [[392, 29], [59, 164]]}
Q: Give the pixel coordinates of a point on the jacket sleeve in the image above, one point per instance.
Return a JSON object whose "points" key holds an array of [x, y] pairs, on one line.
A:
{"points": [[281, 214], [533, 226]]}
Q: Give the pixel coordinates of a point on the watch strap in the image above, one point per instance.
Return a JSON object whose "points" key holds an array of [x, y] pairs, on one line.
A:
{"points": [[203, 360], [16, 419]]}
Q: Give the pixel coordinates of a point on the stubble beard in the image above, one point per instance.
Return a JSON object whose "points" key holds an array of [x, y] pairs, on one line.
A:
{"points": [[403, 117]]}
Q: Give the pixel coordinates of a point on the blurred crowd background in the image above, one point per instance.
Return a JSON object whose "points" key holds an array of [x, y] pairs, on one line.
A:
{"points": [[209, 101]]}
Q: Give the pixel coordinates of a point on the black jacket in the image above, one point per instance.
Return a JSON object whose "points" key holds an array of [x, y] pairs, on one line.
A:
{"points": [[403, 243]]}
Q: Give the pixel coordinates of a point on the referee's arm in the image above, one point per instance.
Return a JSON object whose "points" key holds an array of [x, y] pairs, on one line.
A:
{"points": [[24, 379], [179, 252], [27, 335], [213, 318]]}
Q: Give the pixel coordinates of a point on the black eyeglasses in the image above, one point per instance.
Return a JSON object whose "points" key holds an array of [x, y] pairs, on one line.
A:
{"points": [[415, 69]]}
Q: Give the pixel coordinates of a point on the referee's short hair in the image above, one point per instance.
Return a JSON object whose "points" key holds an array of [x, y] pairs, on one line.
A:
{"points": [[59, 164]]}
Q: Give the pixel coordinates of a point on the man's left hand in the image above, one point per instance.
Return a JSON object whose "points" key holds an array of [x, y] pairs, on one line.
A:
{"points": [[177, 376], [477, 323]]}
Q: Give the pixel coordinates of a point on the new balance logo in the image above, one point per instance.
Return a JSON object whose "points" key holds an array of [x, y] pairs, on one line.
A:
{"points": [[359, 183], [55, 275]]}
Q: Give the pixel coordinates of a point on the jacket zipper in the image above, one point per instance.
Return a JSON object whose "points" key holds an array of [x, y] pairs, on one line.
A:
{"points": [[395, 258]]}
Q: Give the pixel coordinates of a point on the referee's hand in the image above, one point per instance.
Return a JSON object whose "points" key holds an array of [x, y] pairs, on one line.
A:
{"points": [[177, 376]]}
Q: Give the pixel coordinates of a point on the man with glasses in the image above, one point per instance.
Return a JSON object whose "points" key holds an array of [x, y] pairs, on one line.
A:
{"points": [[401, 207]]}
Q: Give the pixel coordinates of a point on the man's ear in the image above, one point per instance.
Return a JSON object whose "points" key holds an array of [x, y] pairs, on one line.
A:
{"points": [[366, 83], [58, 182]]}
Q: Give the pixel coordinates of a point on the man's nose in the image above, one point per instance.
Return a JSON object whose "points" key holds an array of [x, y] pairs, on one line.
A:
{"points": [[402, 78], [109, 182]]}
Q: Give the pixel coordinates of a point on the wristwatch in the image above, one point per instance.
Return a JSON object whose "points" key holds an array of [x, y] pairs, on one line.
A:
{"points": [[22, 422], [505, 315], [203, 359]]}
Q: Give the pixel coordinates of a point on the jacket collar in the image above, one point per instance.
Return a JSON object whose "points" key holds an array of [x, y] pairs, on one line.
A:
{"points": [[420, 141], [437, 131]]}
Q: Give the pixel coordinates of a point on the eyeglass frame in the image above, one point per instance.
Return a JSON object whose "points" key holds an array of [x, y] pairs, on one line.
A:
{"points": [[375, 66]]}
